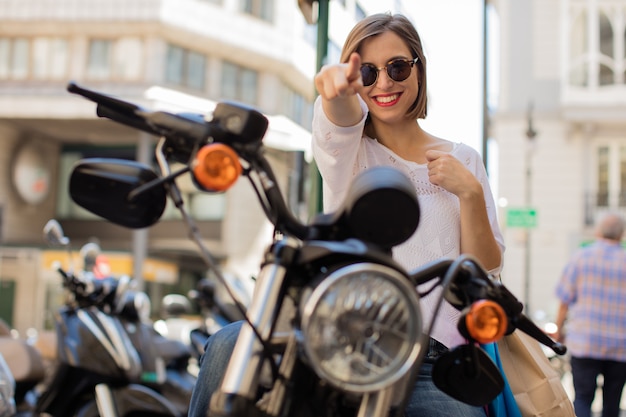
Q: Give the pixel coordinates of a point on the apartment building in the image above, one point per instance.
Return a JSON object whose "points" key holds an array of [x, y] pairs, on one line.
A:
{"points": [[176, 55], [560, 128]]}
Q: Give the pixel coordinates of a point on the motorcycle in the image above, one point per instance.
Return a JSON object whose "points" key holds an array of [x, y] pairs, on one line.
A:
{"points": [[97, 362], [335, 326], [162, 365]]}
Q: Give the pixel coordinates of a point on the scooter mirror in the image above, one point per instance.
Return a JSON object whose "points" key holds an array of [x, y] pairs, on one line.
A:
{"points": [[102, 186], [53, 233], [468, 374]]}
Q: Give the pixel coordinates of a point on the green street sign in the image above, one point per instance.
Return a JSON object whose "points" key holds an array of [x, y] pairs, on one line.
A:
{"points": [[522, 217]]}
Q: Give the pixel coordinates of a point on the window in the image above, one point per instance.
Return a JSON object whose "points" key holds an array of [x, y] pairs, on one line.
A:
{"points": [[610, 174], [603, 177], [606, 75], [50, 58], [578, 48], [185, 68], [597, 49], [263, 9], [128, 59], [239, 83], [99, 59], [297, 108], [14, 58]]}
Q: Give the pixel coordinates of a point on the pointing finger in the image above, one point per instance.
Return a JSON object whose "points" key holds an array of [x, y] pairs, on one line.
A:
{"points": [[353, 70]]}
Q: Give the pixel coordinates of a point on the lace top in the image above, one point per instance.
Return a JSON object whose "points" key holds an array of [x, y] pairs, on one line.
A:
{"points": [[342, 152]]}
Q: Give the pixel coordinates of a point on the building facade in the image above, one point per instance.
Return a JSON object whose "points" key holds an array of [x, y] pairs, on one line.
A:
{"points": [[176, 55], [560, 128]]}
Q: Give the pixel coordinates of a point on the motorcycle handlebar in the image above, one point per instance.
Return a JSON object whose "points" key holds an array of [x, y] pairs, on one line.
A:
{"points": [[234, 124], [471, 283], [89, 290]]}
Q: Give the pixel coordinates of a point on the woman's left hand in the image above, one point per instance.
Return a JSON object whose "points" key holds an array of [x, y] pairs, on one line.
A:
{"points": [[447, 172]]}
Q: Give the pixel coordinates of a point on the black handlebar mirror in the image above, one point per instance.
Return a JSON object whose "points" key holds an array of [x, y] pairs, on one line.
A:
{"points": [[102, 186]]}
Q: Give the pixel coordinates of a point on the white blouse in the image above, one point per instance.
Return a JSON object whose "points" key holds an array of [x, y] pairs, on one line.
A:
{"points": [[342, 152]]}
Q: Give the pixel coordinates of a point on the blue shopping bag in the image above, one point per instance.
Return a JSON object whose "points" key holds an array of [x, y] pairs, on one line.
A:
{"points": [[504, 404]]}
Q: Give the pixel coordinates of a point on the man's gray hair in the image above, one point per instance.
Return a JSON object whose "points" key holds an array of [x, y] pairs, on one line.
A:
{"points": [[611, 227]]}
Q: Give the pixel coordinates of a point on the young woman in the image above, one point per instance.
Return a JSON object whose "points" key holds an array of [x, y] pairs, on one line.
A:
{"points": [[367, 115]]}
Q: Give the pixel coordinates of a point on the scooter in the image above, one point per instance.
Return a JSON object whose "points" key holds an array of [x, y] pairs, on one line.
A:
{"points": [[163, 362], [97, 362]]}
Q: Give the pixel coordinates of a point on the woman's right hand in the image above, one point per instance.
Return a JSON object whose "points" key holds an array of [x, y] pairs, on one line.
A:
{"points": [[340, 80], [338, 85]]}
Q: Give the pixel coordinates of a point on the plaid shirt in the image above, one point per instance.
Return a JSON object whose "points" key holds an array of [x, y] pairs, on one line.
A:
{"points": [[593, 285]]}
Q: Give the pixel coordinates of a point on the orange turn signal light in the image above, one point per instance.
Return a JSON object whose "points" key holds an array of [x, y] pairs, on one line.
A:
{"points": [[486, 321], [216, 167]]}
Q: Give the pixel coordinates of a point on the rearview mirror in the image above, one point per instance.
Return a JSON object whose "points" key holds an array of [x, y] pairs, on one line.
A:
{"points": [[468, 374], [53, 233], [102, 186]]}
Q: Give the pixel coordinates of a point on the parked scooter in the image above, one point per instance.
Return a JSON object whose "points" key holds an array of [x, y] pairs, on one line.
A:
{"points": [[97, 363], [162, 362], [335, 325]]}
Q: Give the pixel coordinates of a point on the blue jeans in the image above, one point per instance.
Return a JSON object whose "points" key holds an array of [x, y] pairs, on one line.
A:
{"points": [[585, 372], [426, 400]]}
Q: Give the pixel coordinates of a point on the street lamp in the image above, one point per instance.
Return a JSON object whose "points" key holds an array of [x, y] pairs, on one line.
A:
{"points": [[531, 133]]}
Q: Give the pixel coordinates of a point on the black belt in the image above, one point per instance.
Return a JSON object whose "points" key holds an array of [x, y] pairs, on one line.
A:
{"points": [[435, 350]]}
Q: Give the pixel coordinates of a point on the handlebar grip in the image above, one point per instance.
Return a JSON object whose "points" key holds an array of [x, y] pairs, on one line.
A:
{"points": [[527, 326]]}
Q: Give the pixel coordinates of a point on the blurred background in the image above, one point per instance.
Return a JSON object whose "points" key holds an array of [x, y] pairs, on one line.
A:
{"points": [[536, 86]]}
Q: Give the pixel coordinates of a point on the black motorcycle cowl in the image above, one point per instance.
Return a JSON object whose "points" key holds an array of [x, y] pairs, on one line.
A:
{"points": [[102, 186]]}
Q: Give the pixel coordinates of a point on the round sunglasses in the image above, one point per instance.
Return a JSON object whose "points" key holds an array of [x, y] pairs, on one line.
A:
{"points": [[397, 69]]}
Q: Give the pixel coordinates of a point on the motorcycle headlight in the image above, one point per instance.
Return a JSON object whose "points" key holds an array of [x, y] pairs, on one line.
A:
{"points": [[362, 327]]}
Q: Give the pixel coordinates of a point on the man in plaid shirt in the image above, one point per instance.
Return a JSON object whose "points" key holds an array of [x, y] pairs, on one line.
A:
{"points": [[592, 294]]}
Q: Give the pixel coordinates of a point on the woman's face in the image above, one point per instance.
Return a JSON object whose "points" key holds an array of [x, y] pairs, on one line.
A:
{"points": [[388, 100]]}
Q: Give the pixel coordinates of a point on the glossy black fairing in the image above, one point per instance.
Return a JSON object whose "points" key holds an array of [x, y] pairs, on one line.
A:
{"points": [[104, 186], [97, 343]]}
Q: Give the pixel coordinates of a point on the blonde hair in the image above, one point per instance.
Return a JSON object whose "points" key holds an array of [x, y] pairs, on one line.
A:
{"points": [[385, 22]]}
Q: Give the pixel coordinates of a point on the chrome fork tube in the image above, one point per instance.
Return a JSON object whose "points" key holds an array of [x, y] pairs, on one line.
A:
{"points": [[244, 367], [376, 404], [104, 401]]}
